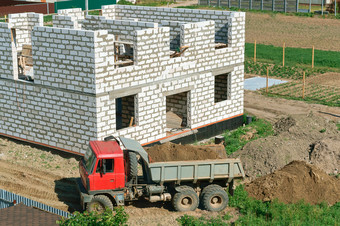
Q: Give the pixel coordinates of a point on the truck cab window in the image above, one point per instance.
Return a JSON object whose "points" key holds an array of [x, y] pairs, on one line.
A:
{"points": [[109, 164]]}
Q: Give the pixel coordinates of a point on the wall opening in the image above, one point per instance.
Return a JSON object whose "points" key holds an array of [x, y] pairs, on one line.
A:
{"points": [[123, 53], [222, 87], [177, 111], [126, 112], [25, 63]]}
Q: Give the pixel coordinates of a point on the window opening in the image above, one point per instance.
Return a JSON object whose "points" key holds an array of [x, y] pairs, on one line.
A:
{"points": [[25, 63], [177, 111], [222, 87], [125, 112], [123, 53]]}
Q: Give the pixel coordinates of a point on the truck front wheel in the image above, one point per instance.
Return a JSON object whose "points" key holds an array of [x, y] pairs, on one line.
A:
{"points": [[215, 199], [99, 203], [185, 200]]}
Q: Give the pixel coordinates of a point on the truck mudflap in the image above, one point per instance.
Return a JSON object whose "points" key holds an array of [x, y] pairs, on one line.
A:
{"points": [[84, 196]]}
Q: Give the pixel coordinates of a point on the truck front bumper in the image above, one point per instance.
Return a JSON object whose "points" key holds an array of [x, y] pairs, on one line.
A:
{"points": [[84, 196]]}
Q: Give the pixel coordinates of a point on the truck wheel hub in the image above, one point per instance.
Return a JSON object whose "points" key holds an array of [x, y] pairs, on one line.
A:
{"points": [[186, 201]]}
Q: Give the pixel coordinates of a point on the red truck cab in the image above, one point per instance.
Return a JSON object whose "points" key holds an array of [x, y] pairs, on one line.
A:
{"points": [[103, 166]]}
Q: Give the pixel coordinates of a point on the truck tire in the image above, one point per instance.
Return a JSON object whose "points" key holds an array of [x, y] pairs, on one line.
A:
{"points": [[215, 199], [99, 203], [133, 166], [185, 200], [209, 187]]}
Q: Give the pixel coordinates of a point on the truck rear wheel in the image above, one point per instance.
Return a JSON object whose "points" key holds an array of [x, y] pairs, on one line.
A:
{"points": [[209, 187], [133, 166], [215, 199], [99, 203], [185, 200]]}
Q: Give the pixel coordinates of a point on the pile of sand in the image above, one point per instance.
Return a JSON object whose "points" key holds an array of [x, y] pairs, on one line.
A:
{"points": [[296, 181], [175, 152], [299, 137]]}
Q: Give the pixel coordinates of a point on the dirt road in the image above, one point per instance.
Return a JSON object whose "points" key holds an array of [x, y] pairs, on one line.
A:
{"points": [[274, 108]]}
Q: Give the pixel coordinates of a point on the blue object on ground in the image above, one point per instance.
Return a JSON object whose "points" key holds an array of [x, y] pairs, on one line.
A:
{"points": [[256, 83]]}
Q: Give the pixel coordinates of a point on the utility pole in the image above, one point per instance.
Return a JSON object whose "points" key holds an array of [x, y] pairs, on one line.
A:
{"points": [[87, 7]]}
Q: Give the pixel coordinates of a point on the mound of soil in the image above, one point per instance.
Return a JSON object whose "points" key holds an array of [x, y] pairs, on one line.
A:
{"points": [[326, 154], [296, 181], [284, 124], [298, 137], [175, 152]]}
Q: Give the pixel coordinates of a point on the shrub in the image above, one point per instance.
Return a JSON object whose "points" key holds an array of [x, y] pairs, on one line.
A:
{"points": [[119, 217]]}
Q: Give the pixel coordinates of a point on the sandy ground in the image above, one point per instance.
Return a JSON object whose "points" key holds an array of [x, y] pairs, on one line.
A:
{"points": [[273, 109], [328, 79], [302, 32]]}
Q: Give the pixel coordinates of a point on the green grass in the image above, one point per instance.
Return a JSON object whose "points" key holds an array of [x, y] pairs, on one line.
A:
{"points": [[234, 140], [293, 56], [290, 72], [255, 212], [338, 125], [47, 18], [94, 12], [146, 2]]}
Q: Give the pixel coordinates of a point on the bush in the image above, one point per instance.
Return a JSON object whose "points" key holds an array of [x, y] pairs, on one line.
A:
{"points": [[119, 217]]}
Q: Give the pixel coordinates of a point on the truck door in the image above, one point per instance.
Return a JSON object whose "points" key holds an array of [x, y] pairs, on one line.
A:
{"points": [[104, 176]]}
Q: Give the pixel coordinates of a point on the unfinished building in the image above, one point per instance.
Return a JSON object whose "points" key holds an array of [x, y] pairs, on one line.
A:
{"points": [[147, 73]]}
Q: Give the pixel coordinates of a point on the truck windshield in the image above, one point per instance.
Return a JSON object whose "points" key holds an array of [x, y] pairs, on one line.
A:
{"points": [[89, 160]]}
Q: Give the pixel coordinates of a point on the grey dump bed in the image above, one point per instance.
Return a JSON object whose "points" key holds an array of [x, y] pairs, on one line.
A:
{"points": [[194, 171], [191, 171]]}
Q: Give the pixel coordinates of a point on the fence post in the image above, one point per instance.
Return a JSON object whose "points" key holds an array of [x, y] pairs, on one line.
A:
{"points": [[313, 57], [261, 4], [283, 54], [285, 5], [209, 2], [267, 80], [47, 8], [322, 7], [219, 3], [303, 85], [297, 5], [229, 4], [250, 4], [255, 51], [273, 5], [310, 6], [87, 7], [335, 8], [239, 4]]}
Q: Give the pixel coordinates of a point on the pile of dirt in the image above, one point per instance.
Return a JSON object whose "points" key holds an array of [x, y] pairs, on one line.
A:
{"points": [[298, 137], [175, 152], [294, 182], [326, 154], [284, 124]]}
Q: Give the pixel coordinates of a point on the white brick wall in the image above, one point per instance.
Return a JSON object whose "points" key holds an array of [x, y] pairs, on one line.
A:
{"points": [[76, 84]]}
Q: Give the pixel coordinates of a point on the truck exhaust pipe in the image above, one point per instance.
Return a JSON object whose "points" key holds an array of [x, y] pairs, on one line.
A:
{"points": [[162, 197]]}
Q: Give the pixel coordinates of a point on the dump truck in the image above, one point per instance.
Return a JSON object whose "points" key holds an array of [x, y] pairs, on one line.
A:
{"points": [[118, 170]]}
